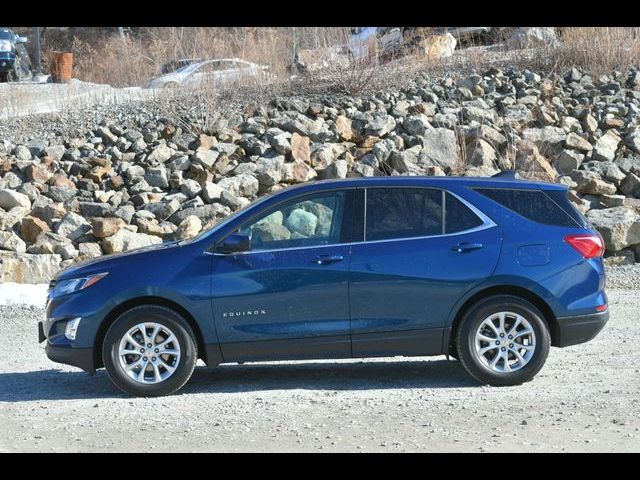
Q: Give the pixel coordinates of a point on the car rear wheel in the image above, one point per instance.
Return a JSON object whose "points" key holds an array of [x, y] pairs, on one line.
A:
{"points": [[149, 351], [503, 340]]}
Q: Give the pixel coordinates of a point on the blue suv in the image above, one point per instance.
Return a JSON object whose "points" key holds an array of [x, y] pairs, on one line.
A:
{"points": [[491, 271]]}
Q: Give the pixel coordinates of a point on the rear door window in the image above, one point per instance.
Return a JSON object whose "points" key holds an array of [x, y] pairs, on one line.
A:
{"points": [[394, 213]]}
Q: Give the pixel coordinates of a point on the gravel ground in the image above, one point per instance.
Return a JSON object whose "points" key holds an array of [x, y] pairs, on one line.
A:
{"points": [[586, 398], [624, 276]]}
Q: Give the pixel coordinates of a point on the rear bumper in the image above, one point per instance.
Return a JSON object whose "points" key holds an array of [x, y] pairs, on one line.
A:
{"points": [[580, 329], [77, 357]]}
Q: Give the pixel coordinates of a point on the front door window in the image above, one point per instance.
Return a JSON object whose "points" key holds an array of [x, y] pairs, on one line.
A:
{"points": [[312, 220]]}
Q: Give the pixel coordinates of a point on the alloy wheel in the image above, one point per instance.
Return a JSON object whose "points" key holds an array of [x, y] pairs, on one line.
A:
{"points": [[149, 353], [505, 342]]}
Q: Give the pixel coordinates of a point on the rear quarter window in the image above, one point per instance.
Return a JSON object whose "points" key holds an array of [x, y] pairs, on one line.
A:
{"points": [[534, 205], [459, 217]]}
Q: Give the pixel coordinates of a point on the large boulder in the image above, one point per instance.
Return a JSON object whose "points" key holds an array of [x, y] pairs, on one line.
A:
{"points": [[300, 149], [126, 240], [205, 158], [619, 226], [567, 161], [10, 241], [439, 148], [11, 198], [188, 228], [32, 227], [297, 172], [549, 140], [73, 226], [104, 227], [206, 213], [530, 37], [89, 250], [243, 185], [575, 141], [337, 169], [26, 268], [481, 154], [160, 154], [632, 140], [9, 219], [343, 127], [532, 164], [606, 146], [438, 46], [48, 242], [379, 125], [631, 186]]}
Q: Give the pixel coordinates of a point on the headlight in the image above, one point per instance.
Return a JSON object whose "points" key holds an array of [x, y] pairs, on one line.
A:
{"points": [[5, 46], [65, 287]]}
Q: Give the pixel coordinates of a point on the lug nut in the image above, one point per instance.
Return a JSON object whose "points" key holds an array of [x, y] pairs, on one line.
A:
{"points": [[511, 345], [142, 350], [497, 342], [502, 334], [149, 345], [144, 359], [153, 359], [510, 337], [503, 349], [156, 350]]}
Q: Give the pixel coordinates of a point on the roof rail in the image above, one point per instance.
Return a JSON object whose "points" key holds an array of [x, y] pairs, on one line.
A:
{"points": [[507, 175]]}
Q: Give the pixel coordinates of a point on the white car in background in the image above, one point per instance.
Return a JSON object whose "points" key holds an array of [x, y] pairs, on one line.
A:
{"points": [[224, 71]]}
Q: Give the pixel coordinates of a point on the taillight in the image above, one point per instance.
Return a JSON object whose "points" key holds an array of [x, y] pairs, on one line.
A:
{"points": [[587, 245]]}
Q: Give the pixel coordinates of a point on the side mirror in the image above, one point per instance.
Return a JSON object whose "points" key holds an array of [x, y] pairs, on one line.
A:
{"points": [[234, 243], [20, 39]]}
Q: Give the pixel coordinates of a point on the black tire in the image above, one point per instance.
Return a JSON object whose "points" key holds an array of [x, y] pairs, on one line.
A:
{"points": [[159, 315], [465, 340]]}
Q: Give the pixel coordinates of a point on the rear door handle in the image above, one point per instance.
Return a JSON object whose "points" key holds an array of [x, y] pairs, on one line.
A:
{"points": [[326, 259], [466, 247]]}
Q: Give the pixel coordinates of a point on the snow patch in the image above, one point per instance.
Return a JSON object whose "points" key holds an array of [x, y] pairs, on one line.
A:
{"points": [[23, 294]]}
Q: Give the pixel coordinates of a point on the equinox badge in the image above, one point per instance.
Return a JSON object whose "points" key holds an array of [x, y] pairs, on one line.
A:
{"points": [[247, 313]]}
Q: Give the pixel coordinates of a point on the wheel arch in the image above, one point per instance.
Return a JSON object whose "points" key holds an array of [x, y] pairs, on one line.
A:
{"points": [[138, 302], [521, 292]]}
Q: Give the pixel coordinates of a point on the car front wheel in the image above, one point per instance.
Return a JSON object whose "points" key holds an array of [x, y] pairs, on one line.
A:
{"points": [[503, 340], [149, 351]]}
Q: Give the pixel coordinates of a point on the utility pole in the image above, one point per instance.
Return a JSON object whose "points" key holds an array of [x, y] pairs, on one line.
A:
{"points": [[36, 36]]}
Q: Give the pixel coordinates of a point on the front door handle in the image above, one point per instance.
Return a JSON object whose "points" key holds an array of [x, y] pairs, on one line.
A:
{"points": [[466, 247], [326, 259]]}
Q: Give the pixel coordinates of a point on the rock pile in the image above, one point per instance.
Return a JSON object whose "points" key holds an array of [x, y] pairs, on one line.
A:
{"points": [[114, 188]]}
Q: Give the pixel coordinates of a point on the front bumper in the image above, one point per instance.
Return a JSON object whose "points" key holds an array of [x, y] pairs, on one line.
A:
{"points": [[580, 329], [61, 350], [77, 357]]}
